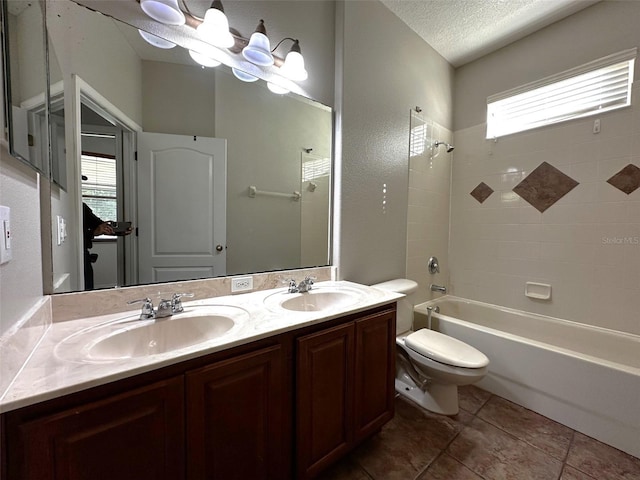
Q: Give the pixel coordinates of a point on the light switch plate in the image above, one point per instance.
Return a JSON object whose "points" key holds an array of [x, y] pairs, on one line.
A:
{"points": [[5, 232]]}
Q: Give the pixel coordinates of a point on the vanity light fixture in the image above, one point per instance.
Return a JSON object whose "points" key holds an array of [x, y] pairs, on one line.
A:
{"points": [[163, 11], [293, 66], [277, 89], [204, 60], [258, 51], [244, 76], [156, 41], [215, 27], [215, 33]]}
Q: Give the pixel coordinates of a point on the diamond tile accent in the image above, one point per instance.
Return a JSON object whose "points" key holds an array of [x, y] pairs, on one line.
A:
{"points": [[627, 179], [481, 192], [545, 186]]}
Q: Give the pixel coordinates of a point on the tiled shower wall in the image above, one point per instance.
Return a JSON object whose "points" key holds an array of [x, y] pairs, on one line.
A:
{"points": [[586, 245], [428, 215]]}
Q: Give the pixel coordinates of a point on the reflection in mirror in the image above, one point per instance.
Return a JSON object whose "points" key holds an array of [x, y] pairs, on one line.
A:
{"points": [[24, 68], [229, 178]]}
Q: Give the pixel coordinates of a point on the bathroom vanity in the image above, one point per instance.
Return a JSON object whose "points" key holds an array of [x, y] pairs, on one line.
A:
{"points": [[281, 398]]}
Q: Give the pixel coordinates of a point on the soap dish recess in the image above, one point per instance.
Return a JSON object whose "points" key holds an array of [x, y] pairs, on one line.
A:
{"points": [[539, 291]]}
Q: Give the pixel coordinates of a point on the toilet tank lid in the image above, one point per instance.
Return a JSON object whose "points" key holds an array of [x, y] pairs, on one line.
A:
{"points": [[398, 285]]}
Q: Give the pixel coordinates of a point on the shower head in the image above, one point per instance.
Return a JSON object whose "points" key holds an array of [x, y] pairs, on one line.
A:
{"points": [[447, 145]]}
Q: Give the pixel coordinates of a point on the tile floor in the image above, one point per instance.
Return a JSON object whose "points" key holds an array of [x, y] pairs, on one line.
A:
{"points": [[490, 439]]}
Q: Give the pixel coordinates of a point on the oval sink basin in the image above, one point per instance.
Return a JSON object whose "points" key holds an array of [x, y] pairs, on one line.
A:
{"points": [[131, 337], [316, 300], [164, 335]]}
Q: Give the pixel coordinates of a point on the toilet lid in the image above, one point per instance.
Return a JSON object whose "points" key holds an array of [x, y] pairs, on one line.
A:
{"points": [[445, 349]]}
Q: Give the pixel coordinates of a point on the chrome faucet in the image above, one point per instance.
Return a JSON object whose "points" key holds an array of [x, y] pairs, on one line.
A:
{"points": [[147, 308], [430, 311], [306, 284], [176, 302], [438, 288], [166, 308], [302, 287]]}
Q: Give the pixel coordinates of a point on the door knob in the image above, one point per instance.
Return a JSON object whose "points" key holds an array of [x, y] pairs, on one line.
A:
{"points": [[219, 248]]}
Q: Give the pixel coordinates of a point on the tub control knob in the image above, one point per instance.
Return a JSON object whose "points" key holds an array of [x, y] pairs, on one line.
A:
{"points": [[433, 266]]}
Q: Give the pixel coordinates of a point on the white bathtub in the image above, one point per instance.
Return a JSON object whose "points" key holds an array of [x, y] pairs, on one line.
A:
{"points": [[587, 378]]}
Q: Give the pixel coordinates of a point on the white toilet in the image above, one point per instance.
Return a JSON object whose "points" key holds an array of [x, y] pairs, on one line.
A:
{"points": [[429, 364]]}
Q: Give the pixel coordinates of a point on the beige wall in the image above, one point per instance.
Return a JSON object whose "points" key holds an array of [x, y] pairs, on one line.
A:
{"points": [[499, 245], [21, 278], [183, 103], [77, 33], [266, 135], [388, 70]]}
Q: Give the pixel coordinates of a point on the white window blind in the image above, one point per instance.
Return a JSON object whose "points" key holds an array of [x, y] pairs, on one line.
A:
{"points": [[313, 169], [99, 191], [590, 89]]}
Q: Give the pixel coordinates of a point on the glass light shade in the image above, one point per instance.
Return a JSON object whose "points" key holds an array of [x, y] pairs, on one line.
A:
{"points": [[277, 89], [156, 41], [204, 60], [215, 29], [244, 76], [258, 51], [293, 67], [163, 11]]}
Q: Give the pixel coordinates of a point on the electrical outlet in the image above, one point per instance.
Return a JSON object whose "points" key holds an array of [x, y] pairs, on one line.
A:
{"points": [[5, 233], [241, 284], [596, 125]]}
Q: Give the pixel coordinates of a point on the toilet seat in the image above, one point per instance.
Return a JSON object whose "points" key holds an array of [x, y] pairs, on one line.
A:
{"points": [[445, 349]]}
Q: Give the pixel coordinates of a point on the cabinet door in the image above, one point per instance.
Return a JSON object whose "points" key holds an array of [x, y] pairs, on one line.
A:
{"points": [[138, 434], [324, 415], [374, 373], [236, 427]]}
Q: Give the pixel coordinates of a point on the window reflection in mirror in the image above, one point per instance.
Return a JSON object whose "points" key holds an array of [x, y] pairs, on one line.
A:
{"points": [[25, 81], [279, 144]]}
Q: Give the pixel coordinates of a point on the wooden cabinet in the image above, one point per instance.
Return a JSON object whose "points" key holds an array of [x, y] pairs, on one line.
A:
{"points": [[375, 367], [229, 415], [136, 434], [324, 399], [344, 389], [236, 425], [229, 419]]}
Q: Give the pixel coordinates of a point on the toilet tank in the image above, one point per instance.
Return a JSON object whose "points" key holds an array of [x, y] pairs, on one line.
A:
{"points": [[404, 319]]}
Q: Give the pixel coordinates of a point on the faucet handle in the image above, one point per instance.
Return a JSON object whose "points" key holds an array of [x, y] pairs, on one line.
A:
{"points": [[147, 307], [176, 302]]}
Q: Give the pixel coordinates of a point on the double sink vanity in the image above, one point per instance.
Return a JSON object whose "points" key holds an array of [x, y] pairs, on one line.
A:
{"points": [[267, 384]]}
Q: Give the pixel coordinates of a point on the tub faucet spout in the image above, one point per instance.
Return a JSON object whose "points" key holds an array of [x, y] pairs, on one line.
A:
{"points": [[438, 288]]}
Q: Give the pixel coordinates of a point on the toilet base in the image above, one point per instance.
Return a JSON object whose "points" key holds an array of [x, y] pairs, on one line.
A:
{"points": [[436, 398]]}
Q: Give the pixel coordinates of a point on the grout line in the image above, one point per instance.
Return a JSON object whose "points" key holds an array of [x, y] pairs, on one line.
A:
{"points": [[564, 457], [564, 460], [444, 449]]}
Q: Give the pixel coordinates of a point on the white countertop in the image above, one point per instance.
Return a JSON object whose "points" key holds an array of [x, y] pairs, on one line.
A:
{"points": [[59, 365]]}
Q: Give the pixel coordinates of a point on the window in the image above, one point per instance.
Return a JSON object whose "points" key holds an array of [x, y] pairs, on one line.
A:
{"points": [[313, 169], [418, 140], [590, 89], [99, 191]]}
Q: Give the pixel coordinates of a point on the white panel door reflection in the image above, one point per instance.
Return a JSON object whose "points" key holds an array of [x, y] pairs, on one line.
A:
{"points": [[181, 207]]}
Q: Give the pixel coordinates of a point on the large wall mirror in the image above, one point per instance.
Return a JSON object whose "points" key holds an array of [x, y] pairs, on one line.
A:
{"points": [[217, 176], [25, 83]]}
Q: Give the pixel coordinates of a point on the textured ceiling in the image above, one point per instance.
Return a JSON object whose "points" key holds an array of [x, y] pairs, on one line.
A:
{"points": [[464, 30]]}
